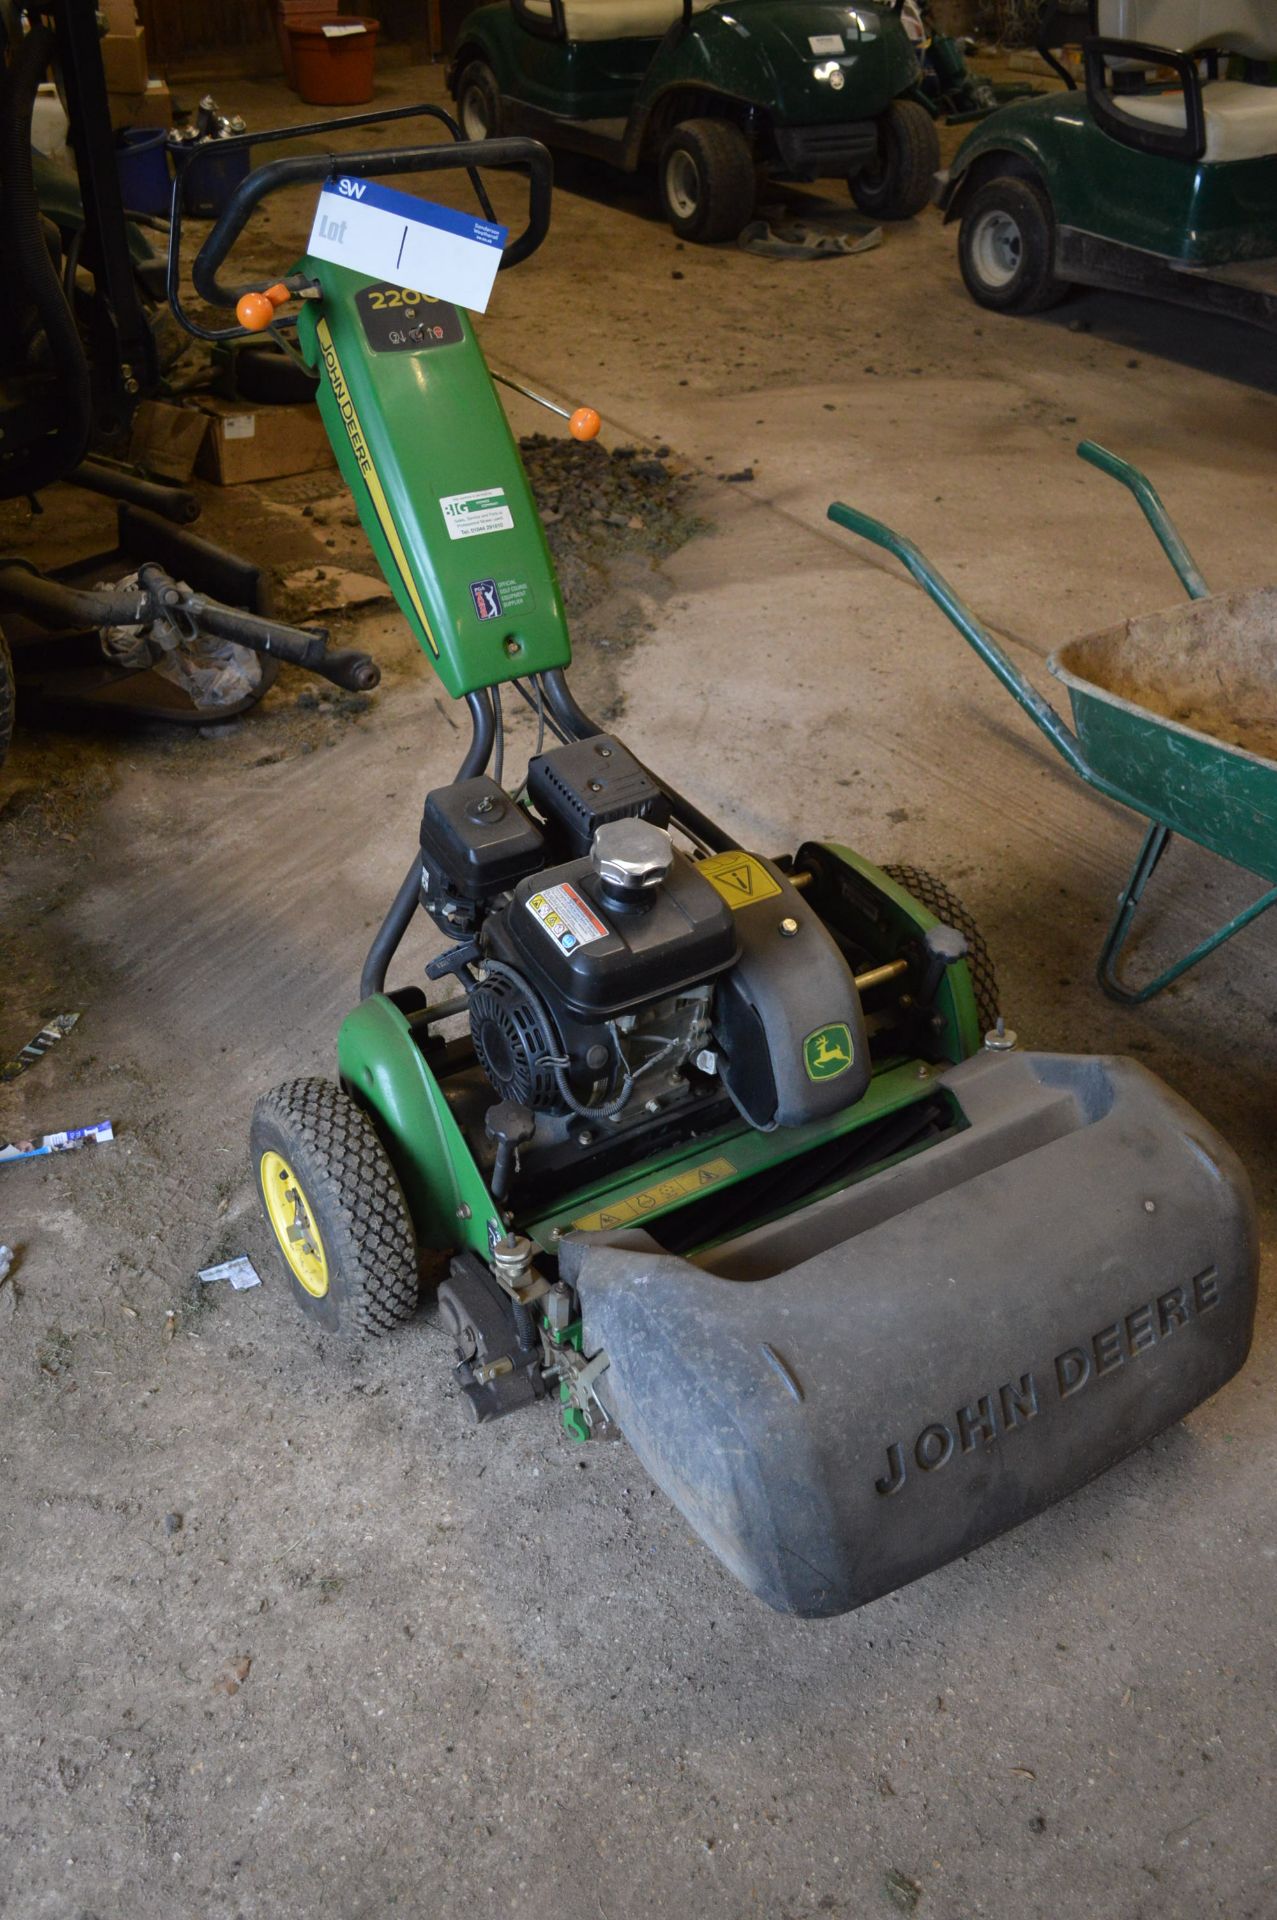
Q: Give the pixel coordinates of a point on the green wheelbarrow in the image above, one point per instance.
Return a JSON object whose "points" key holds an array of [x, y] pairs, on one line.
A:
{"points": [[1175, 716]]}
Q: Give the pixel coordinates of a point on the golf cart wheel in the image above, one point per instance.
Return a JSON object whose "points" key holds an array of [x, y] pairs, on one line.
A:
{"points": [[336, 1209], [479, 102], [899, 181], [707, 180], [937, 899], [1006, 248], [6, 698]]}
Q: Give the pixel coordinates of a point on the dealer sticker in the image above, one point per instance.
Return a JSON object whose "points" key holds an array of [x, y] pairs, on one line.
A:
{"points": [[566, 917], [466, 514]]}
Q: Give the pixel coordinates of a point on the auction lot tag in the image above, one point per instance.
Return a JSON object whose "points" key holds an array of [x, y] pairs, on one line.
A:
{"points": [[408, 242]]}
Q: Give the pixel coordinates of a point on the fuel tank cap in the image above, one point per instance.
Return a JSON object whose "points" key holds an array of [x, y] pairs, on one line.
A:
{"points": [[631, 858]]}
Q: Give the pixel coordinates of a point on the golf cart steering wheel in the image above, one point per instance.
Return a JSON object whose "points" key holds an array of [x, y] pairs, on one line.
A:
{"points": [[298, 168]]}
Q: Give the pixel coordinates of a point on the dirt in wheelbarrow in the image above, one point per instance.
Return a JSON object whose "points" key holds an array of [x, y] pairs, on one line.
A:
{"points": [[1210, 666]]}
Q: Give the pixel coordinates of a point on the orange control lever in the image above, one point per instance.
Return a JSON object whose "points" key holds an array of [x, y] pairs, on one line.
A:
{"points": [[256, 310], [582, 425]]}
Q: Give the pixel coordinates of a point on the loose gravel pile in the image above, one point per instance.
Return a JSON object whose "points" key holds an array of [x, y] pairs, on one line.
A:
{"points": [[594, 500]]}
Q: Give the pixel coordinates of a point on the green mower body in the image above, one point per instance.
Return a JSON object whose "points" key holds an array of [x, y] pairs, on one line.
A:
{"points": [[724, 1150], [803, 91], [424, 446]]}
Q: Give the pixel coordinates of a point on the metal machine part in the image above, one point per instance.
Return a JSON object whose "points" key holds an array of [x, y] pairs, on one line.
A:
{"points": [[632, 858], [500, 1368]]}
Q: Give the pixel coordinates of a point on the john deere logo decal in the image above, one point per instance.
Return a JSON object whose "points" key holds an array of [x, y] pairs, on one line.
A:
{"points": [[828, 1051]]}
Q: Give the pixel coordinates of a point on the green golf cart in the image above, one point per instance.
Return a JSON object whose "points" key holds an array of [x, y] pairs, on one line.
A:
{"points": [[710, 91], [1159, 177]]}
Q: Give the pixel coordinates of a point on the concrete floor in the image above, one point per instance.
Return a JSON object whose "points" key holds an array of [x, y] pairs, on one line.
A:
{"points": [[390, 1663]]}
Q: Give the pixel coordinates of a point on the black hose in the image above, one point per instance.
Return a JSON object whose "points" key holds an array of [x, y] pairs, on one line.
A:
{"points": [[562, 704], [395, 925], [32, 466]]}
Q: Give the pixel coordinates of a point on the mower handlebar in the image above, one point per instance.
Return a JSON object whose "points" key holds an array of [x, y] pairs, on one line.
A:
{"points": [[295, 169]]}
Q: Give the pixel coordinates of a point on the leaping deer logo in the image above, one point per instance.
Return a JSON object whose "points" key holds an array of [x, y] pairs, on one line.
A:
{"points": [[828, 1051]]}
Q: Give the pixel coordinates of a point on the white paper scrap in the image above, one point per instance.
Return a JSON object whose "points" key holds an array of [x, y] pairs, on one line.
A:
{"points": [[240, 1272], [56, 1142]]}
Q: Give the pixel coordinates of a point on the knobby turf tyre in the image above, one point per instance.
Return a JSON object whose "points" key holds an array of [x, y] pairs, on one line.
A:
{"points": [[707, 180], [477, 87], [1006, 247], [6, 698], [938, 899], [900, 182], [352, 1194]]}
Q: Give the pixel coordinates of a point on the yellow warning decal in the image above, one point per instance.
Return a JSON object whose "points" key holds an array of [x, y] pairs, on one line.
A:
{"points": [[679, 1186], [364, 461], [739, 878]]}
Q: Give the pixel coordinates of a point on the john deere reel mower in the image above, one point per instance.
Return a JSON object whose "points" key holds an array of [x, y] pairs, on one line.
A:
{"points": [[731, 1155]]}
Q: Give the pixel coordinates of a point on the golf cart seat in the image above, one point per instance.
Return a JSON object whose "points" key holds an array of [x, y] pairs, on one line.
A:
{"points": [[1238, 117], [1247, 27], [1241, 120], [612, 19]]}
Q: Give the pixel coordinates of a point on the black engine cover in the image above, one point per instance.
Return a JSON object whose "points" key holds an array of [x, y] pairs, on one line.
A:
{"points": [[598, 962], [475, 841], [787, 1018]]}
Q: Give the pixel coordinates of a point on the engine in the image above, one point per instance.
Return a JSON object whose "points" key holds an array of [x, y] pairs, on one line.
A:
{"points": [[610, 977]]}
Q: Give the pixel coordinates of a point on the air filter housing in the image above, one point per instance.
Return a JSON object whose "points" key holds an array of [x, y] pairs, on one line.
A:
{"points": [[581, 787]]}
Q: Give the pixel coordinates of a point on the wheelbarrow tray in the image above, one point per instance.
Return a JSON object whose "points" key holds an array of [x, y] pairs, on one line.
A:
{"points": [[1178, 710]]}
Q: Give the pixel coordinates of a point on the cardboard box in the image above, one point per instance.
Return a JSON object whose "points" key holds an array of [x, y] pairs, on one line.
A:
{"points": [[121, 15], [265, 443], [155, 108], [166, 439], [124, 61]]}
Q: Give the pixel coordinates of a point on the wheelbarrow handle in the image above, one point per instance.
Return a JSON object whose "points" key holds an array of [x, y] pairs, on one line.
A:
{"points": [[1039, 710], [1172, 541]]}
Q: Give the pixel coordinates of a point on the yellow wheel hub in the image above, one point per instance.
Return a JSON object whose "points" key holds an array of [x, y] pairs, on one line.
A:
{"points": [[292, 1217]]}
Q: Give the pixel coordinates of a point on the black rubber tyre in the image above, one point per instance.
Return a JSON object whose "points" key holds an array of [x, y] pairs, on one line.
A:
{"points": [[706, 179], [946, 906], [479, 102], [899, 183], [337, 1185], [6, 699], [1006, 247]]}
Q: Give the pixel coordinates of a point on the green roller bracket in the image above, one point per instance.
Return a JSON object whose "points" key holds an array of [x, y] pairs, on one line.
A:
{"points": [[384, 1069]]}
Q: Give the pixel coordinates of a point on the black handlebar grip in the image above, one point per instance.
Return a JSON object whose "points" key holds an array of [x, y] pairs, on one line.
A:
{"points": [[297, 168]]}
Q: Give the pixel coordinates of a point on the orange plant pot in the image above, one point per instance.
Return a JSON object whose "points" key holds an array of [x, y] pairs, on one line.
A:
{"points": [[336, 72]]}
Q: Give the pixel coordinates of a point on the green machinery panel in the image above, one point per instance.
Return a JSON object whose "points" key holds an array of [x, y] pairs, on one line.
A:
{"points": [[424, 446]]}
